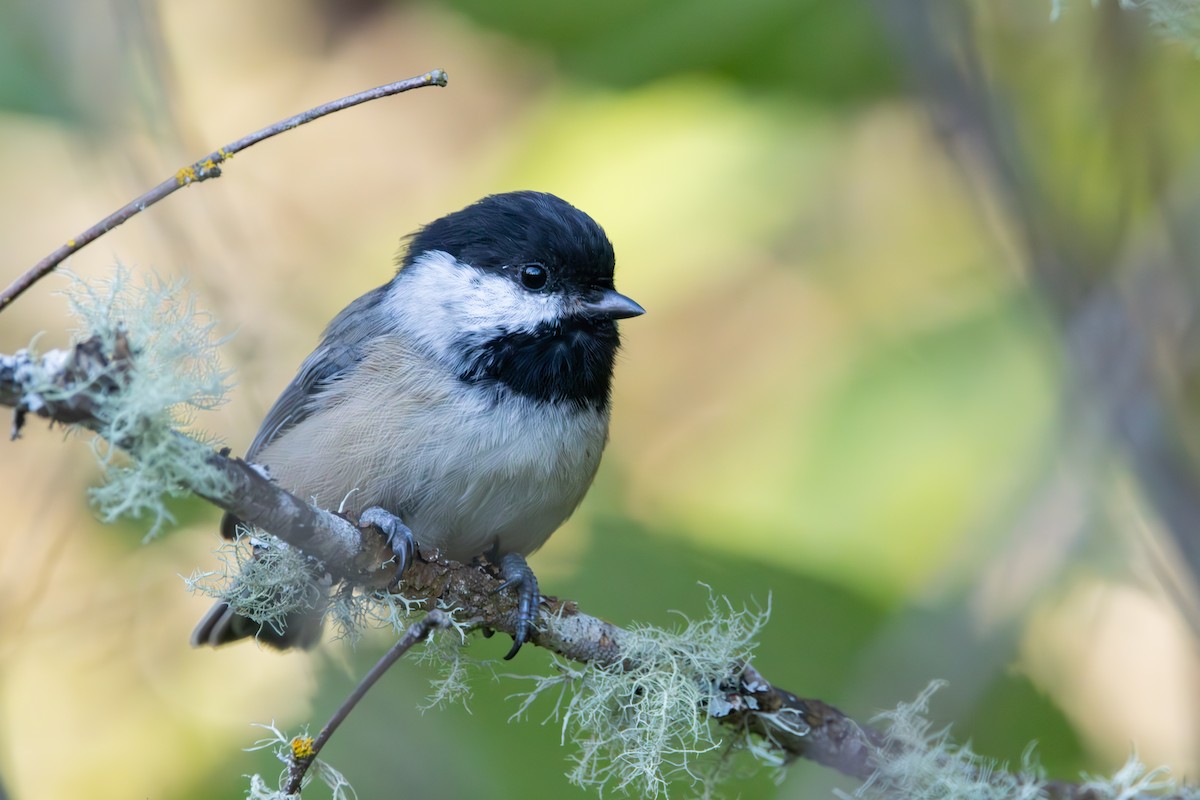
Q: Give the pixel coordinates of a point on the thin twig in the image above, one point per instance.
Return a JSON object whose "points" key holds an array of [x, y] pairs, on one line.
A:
{"points": [[417, 632], [205, 168]]}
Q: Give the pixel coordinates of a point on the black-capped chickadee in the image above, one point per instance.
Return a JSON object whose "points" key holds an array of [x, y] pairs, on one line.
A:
{"points": [[467, 397]]}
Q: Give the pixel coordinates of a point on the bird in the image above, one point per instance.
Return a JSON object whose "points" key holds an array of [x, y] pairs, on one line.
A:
{"points": [[462, 406]]}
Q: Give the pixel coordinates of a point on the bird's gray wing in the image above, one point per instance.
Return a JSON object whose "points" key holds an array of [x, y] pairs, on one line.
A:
{"points": [[302, 396], [341, 350]]}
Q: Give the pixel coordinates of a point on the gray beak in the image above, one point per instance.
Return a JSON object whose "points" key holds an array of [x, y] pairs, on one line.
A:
{"points": [[611, 304]]}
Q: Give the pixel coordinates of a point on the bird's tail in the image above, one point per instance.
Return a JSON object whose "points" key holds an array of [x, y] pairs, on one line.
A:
{"points": [[222, 625]]}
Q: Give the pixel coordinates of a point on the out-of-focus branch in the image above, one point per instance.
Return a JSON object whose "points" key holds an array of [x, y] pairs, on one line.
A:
{"points": [[1108, 305], [201, 170]]}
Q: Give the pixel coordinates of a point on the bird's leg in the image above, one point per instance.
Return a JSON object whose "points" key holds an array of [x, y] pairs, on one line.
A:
{"points": [[518, 575], [398, 536]]}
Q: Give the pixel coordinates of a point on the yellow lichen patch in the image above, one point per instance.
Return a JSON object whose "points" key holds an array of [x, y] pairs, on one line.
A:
{"points": [[302, 747], [185, 175]]}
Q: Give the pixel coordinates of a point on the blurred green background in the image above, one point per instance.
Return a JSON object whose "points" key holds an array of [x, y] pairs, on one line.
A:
{"points": [[919, 366]]}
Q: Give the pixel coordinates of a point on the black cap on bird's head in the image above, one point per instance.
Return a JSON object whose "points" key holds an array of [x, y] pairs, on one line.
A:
{"points": [[516, 293], [512, 228], [515, 230]]}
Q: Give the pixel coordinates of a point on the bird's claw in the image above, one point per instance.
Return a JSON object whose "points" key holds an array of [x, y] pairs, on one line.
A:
{"points": [[518, 575], [399, 538]]}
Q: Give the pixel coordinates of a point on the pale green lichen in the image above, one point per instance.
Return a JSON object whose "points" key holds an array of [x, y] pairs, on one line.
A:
{"points": [[354, 610], [923, 764], [446, 652], [283, 746], [1177, 20], [264, 579], [1058, 6], [175, 372], [1134, 780], [645, 724], [920, 763]]}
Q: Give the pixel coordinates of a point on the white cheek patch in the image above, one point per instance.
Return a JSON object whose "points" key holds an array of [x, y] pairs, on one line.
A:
{"points": [[438, 301]]}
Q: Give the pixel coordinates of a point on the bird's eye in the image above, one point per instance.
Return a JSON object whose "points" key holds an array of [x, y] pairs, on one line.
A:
{"points": [[534, 277]]}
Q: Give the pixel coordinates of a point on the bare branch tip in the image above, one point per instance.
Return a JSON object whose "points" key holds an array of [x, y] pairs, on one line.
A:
{"points": [[205, 168]]}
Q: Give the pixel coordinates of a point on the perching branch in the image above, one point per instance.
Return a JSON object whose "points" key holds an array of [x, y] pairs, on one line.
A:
{"points": [[360, 556], [792, 726], [205, 168]]}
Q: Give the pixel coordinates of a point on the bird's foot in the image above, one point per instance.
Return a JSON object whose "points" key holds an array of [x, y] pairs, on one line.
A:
{"points": [[399, 538], [517, 575]]}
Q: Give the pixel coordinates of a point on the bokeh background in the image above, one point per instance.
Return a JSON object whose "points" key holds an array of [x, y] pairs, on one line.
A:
{"points": [[920, 364]]}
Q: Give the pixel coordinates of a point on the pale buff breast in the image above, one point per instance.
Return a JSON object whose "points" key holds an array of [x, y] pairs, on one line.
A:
{"points": [[463, 471]]}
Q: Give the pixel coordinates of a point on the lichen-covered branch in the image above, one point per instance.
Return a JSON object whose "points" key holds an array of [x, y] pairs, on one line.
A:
{"points": [[88, 370], [71, 387]]}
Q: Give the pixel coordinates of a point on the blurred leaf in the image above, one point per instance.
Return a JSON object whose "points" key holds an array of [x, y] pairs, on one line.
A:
{"points": [[1097, 117], [831, 52], [32, 78], [1013, 712], [633, 575], [920, 441], [689, 177], [924, 437]]}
